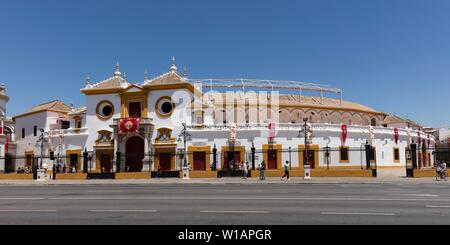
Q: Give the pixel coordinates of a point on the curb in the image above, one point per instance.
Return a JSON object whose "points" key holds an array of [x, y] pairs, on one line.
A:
{"points": [[187, 182]]}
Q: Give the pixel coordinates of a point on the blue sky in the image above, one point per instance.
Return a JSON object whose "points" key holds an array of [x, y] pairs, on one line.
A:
{"points": [[391, 55]]}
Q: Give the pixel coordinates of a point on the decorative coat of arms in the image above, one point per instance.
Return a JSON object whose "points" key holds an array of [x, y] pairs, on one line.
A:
{"points": [[128, 125]]}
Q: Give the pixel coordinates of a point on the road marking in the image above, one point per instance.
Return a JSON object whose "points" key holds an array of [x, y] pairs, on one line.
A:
{"points": [[125, 211], [251, 198], [235, 211], [374, 214], [433, 206], [228, 198], [22, 198], [419, 195], [25, 210]]}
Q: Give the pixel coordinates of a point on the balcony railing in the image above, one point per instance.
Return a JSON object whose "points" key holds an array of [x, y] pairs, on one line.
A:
{"points": [[66, 132], [141, 121], [317, 127]]}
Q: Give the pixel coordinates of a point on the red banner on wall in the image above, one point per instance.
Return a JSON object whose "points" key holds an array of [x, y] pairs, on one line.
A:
{"points": [[128, 125], [344, 133], [396, 135], [233, 133], [271, 131], [428, 140]]}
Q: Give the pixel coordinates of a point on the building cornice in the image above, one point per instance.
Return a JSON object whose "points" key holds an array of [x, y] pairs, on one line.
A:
{"points": [[38, 111]]}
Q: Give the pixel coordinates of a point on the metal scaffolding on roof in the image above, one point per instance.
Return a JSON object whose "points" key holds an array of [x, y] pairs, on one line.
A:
{"points": [[242, 83]]}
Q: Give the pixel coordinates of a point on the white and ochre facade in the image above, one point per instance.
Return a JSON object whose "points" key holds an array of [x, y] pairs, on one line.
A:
{"points": [[210, 110], [7, 135]]}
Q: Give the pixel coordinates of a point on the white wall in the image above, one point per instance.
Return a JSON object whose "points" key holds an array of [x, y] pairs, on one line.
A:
{"points": [[182, 98], [28, 122], [93, 123], [325, 135]]}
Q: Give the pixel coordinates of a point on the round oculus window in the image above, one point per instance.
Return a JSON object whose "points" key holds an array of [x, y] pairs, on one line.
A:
{"points": [[165, 106], [105, 109]]}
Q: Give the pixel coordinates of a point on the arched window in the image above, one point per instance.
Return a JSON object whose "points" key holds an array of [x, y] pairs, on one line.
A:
{"points": [[373, 122]]}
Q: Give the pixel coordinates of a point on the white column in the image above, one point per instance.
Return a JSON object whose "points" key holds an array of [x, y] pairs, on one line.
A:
{"points": [[114, 153], [2, 159], [146, 160]]}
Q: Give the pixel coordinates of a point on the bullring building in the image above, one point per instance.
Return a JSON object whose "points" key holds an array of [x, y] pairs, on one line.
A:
{"points": [[163, 121]]}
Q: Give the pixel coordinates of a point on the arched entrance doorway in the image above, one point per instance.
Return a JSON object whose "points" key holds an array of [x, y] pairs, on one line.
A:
{"points": [[134, 151]]}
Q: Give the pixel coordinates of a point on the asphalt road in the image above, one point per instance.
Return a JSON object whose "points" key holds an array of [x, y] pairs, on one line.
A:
{"points": [[253, 203]]}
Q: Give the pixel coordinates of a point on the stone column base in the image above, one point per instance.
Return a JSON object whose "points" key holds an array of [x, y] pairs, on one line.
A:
{"points": [[146, 165]]}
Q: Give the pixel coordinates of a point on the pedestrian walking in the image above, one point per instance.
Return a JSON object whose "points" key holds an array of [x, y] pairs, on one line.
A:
{"points": [[158, 173], [286, 171], [245, 170], [262, 171]]}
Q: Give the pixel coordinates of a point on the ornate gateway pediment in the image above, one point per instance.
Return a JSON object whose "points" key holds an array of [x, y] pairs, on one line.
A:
{"points": [[104, 138], [164, 135]]}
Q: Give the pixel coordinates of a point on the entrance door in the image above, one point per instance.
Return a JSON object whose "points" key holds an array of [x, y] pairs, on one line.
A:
{"points": [[134, 154], [105, 163], [134, 109], [420, 160], [272, 159], [199, 161], [29, 160], [73, 161], [165, 161], [9, 166], [311, 157], [234, 156]]}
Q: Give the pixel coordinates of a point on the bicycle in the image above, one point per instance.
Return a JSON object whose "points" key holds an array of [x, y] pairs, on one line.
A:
{"points": [[442, 175]]}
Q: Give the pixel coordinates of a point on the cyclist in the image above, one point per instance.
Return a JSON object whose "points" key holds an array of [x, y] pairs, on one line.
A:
{"points": [[441, 169]]}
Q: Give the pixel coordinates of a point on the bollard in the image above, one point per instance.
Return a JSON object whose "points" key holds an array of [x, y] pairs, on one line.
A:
{"points": [[186, 172], [307, 172]]}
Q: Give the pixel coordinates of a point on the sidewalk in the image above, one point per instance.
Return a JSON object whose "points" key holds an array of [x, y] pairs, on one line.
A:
{"points": [[269, 180]]}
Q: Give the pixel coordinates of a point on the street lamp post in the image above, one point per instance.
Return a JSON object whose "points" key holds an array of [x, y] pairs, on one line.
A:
{"points": [[327, 156], [185, 135], [39, 173], [41, 140], [214, 157], [306, 164], [253, 149], [290, 165]]}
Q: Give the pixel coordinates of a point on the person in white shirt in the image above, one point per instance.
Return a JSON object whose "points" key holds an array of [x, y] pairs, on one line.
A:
{"points": [[245, 169]]}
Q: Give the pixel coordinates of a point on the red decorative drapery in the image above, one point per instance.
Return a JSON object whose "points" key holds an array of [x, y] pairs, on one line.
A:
{"points": [[344, 133], [428, 140], [128, 125], [396, 135]]}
